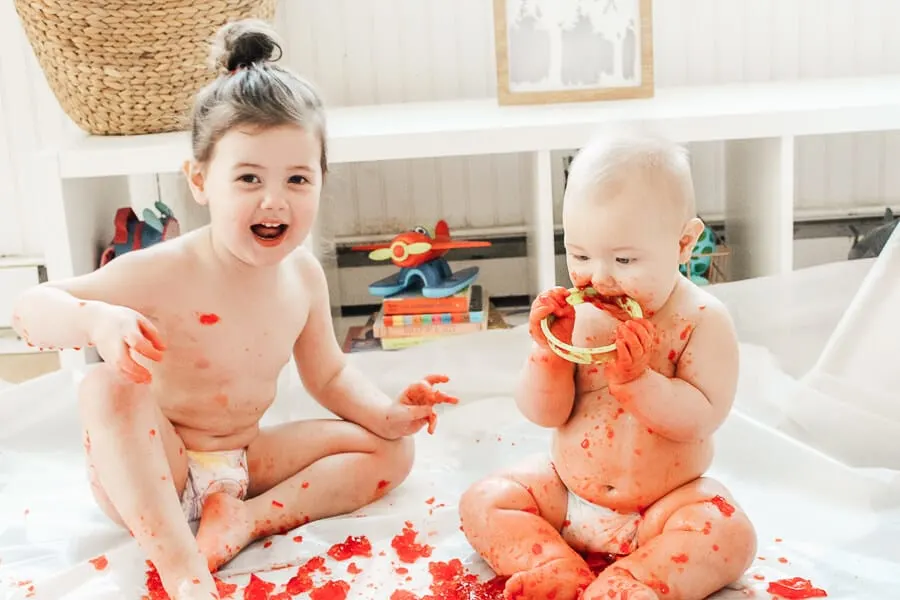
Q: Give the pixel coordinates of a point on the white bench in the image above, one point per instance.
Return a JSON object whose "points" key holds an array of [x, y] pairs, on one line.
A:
{"points": [[86, 179]]}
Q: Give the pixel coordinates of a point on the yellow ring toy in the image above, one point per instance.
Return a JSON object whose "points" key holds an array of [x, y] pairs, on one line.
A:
{"points": [[587, 356]]}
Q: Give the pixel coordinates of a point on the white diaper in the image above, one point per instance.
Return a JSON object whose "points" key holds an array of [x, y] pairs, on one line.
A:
{"points": [[590, 528], [214, 472]]}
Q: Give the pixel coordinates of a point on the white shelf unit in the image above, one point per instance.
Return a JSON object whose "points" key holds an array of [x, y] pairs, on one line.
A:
{"points": [[87, 177]]}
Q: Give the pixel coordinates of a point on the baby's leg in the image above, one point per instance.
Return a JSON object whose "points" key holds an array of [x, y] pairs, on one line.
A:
{"points": [[691, 543], [138, 470], [513, 519], [301, 472]]}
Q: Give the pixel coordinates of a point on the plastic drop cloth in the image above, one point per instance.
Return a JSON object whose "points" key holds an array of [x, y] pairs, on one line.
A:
{"points": [[807, 453]]}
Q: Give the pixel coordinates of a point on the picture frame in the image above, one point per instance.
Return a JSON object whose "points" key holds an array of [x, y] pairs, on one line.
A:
{"points": [[554, 51]]}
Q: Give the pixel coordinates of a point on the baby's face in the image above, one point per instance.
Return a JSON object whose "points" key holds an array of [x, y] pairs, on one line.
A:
{"points": [[263, 188], [625, 239]]}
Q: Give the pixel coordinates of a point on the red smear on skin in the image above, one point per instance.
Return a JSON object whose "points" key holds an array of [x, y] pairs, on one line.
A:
{"points": [[715, 547], [381, 485], [333, 590], [537, 549], [680, 558], [658, 586], [610, 434], [724, 507], [221, 400], [352, 546], [208, 318], [277, 504], [585, 443], [152, 432], [795, 588], [258, 589], [304, 485], [672, 356], [406, 547], [686, 332], [353, 569], [201, 363]]}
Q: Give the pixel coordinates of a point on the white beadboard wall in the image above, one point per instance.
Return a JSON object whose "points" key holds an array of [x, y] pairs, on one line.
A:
{"points": [[383, 51]]}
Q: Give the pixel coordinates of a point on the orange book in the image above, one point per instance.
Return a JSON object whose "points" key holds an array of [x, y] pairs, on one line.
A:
{"points": [[414, 303]]}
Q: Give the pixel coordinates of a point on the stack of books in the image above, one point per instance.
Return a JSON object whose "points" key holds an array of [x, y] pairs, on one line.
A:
{"points": [[409, 319]]}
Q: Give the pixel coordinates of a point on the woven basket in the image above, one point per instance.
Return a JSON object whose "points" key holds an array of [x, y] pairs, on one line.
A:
{"points": [[126, 67]]}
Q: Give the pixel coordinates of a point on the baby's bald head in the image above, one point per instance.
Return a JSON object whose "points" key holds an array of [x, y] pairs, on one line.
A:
{"points": [[604, 167]]}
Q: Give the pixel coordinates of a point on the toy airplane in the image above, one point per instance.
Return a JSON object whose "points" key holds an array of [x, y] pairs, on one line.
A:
{"points": [[419, 254]]}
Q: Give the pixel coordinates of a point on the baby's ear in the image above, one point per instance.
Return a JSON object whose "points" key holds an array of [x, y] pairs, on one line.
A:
{"points": [[689, 236], [193, 171]]}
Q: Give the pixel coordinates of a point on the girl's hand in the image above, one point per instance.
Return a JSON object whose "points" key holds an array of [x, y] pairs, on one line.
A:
{"points": [[119, 332], [415, 407]]}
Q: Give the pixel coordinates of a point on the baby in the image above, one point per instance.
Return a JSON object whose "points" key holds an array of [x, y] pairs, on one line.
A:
{"points": [[195, 331], [632, 438]]}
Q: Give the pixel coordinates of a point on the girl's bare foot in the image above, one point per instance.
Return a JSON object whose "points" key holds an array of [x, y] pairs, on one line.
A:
{"points": [[194, 590], [225, 529], [561, 579]]}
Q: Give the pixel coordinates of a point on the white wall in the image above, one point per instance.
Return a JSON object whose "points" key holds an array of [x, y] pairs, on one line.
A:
{"points": [[410, 50]]}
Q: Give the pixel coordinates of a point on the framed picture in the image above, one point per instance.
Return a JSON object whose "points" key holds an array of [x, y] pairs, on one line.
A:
{"points": [[573, 50]]}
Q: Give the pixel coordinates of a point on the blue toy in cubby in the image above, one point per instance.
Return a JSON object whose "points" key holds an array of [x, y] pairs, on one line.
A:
{"points": [[133, 233], [701, 259]]}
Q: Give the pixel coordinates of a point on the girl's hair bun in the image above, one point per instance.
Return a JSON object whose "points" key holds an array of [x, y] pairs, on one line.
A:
{"points": [[243, 44]]}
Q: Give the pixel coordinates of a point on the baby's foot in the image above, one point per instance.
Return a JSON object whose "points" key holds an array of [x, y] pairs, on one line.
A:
{"points": [[560, 579], [225, 529], [618, 583]]}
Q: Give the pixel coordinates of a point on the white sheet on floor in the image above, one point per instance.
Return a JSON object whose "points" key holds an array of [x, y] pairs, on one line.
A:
{"points": [[839, 522]]}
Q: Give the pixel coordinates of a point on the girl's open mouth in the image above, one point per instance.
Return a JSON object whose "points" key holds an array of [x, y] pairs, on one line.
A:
{"points": [[269, 234]]}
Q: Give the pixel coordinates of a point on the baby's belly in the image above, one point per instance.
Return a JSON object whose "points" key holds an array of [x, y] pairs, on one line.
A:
{"points": [[215, 417], [606, 456]]}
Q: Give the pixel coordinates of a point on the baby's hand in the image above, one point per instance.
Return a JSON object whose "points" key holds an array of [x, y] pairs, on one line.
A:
{"points": [[635, 342], [552, 302], [415, 406], [117, 331]]}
